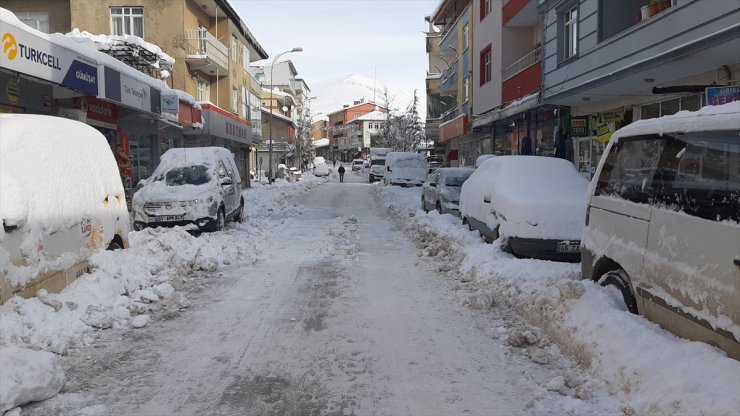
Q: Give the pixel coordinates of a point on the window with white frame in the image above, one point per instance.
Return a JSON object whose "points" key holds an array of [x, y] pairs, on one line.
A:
{"points": [[127, 21], [234, 48], [245, 103], [466, 88], [245, 58], [466, 36], [234, 100], [37, 20], [485, 8], [203, 91], [570, 33]]}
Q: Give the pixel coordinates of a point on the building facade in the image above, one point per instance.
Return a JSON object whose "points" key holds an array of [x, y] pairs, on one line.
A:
{"points": [[212, 48], [338, 128], [612, 63]]}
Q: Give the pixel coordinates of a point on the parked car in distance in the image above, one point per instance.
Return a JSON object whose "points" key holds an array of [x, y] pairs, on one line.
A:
{"points": [[365, 168], [663, 223], [441, 191], [405, 169], [318, 160], [537, 204], [357, 164], [197, 188], [321, 169], [61, 196], [377, 163]]}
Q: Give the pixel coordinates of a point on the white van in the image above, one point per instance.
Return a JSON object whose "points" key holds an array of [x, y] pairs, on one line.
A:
{"points": [[405, 169], [61, 199], [377, 163], [663, 223]]}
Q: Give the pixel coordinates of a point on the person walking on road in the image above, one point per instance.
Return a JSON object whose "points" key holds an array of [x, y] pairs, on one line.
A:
{"points": [[341, 173]]}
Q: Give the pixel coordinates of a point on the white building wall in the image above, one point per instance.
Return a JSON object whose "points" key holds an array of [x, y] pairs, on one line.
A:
{"points": [[488, 31]]}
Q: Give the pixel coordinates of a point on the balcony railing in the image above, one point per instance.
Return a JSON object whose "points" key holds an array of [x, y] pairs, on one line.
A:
{"points": [[525, 62], [450, 71], [201, 44]]}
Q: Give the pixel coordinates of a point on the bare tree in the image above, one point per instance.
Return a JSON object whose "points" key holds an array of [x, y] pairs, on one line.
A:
{"points": [[404, 132]]}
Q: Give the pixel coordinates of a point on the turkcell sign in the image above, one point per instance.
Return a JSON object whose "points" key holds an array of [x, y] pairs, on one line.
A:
{"points": [[31, 54]]}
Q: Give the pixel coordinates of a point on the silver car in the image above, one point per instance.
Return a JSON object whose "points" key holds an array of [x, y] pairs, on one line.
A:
{"points": [[441, 191]]}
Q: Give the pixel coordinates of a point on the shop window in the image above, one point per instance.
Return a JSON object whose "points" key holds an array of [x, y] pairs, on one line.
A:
{"points": [[672, 106], [37, 20], [127, 21]]}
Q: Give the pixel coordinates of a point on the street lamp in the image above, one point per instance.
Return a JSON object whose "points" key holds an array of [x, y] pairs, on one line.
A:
{"points": [[269, 174]]}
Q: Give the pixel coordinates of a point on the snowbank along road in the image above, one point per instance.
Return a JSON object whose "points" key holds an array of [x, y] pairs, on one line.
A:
{"points": [[336, 314]]}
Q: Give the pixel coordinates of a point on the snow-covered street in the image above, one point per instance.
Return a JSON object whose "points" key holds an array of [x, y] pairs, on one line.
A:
{"points": [[347, 299], [337, 314]]}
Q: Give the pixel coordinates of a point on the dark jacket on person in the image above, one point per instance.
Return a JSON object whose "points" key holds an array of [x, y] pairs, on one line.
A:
{"points": [[341, 169]]}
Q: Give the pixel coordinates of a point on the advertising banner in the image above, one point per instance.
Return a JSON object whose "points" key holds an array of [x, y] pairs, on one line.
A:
{"points": [[170, 105], [722, 95], [32, 54], [220, 123], [97, 109]]}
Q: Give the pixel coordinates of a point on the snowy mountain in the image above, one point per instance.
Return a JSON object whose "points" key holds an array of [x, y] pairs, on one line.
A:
{"points": [[332, 94]]}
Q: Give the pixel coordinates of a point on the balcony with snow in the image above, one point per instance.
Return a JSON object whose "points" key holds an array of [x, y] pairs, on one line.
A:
{"points": [[205, 53]]}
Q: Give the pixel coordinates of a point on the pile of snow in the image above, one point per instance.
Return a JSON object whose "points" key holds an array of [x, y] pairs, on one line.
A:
{"points": [[126, 289], [653, 370]]}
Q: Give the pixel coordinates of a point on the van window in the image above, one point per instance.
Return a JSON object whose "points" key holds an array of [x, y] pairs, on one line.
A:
{"points": [[697, 173]]}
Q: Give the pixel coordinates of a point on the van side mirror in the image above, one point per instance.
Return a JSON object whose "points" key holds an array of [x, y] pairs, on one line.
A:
{"points": [[388, 168], [141, 183], [226, 181], [486, 199]]}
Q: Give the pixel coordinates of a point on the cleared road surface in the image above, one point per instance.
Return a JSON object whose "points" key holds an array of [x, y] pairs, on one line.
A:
{"points": [[340, 317]]}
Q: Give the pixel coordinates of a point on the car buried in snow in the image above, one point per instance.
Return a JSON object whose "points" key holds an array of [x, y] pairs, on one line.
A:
{"points": [[537, 204], [197, 188]]}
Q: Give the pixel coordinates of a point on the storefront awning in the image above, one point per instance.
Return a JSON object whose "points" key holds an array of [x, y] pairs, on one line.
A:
{"points": [[513, 108], [220, 123]]}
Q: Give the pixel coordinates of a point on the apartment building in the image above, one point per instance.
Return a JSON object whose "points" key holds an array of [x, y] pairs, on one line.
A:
{"points": [[454, 20], [212, 48], [366, 131], [338, 130], [614, 62], [508, 115]]}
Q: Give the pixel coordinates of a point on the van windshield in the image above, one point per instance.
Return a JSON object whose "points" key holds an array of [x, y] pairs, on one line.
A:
{"points": [[191, 175], [380, 162], [412, 163]]}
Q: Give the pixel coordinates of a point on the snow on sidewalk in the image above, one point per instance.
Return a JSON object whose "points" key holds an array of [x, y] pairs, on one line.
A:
{"points": [[122, 290], [654, 371]]}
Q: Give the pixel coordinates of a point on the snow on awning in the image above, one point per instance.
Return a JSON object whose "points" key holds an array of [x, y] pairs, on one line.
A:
{"points": [[515, 107]]}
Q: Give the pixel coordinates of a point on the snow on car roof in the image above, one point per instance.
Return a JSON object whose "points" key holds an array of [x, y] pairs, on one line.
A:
{"points": [[45, 158], [713, 117]]}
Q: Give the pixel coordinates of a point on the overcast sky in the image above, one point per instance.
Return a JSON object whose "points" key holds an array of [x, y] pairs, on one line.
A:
{"points": [[342, 37]]}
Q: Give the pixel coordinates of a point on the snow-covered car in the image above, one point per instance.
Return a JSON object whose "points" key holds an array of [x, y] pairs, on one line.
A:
{"points": [[197, 187], [322, 169], [405, 169], [365, 168], [482, 158], [441, 191], [357, 164], [318, 160], [663, 223], [537, 204], [61, 199]]}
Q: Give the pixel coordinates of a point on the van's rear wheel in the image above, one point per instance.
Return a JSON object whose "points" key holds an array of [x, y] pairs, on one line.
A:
{"points": [[424, 205], [220, 222], [620, 280], [115, 244], [239, 217]]}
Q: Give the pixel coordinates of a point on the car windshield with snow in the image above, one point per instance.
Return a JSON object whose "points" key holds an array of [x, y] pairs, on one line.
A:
{"points": [[196, 188]]}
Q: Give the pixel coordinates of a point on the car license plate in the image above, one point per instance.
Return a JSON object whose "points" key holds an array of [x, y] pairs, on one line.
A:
{"points": [[568, 247], [163, 218]]}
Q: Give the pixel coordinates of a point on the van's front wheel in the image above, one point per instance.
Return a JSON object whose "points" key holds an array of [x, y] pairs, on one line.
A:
{"points": [[620, 280], [115, 244]]}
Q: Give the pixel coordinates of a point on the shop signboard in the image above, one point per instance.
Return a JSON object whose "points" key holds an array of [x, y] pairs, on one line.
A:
{"points": [[135, 93], [32, 54], [73, 114], [579, 126], [604, 131], [170, 105], [96, 109], [722, 95], [220, 123]]}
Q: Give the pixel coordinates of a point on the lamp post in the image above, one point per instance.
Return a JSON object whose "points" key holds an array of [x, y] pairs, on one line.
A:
{"points": [[270, 178]]}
